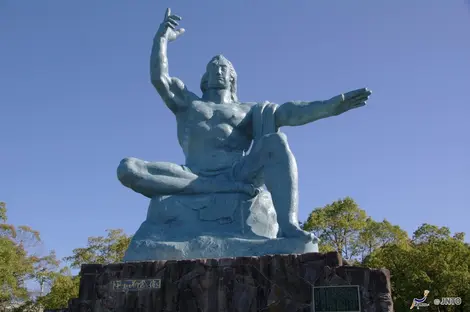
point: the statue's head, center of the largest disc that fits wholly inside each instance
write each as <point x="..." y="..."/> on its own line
<point x="220" y="74"/>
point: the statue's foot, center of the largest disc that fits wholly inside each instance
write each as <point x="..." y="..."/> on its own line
<point x="290" y="230"/>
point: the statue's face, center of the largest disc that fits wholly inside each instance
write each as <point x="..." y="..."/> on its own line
<point x="219" y="74"/>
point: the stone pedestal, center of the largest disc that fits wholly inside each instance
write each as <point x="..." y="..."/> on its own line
<point x="268" y="283"/>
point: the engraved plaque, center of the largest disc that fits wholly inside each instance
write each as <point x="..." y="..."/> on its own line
<point x="136" y="285"/>
<point x="344" y="298"/>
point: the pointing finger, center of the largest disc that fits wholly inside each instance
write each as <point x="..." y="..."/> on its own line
<point x="168" y="12"/>
<point x="357" y="105"/>
<point x="357" y="92"/>
<point x="361" y="90"/>
<point x="360" y="104"/>
<point x="360" y="95"/>
<point x="357" y="100"/>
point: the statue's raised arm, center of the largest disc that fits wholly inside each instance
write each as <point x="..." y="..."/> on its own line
<point x="171" y="89"/>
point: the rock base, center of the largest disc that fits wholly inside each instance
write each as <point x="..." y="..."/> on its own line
<point x="266" y="283"/>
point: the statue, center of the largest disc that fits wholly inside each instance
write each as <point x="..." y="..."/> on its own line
<point x="225" y="201"/>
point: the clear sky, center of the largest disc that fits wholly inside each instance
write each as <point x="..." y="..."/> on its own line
<point x="75" y="98"/>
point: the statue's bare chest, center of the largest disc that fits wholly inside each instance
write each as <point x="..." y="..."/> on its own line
<point x="219" y="126"/>
<point x="215" y="114"/>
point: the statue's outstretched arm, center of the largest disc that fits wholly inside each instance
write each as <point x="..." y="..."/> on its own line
<point x="171" y="89"/>
<point x="300" y="113"/>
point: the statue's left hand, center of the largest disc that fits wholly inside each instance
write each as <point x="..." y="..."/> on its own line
<point x="350" y="100"/>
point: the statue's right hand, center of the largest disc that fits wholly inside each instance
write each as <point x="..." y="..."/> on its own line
<point x="168" y="29"/>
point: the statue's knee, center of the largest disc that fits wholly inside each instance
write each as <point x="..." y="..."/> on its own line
<point x="127" y="169"/>
<point x="275" y="144"/>
<point x="275" y="138"/>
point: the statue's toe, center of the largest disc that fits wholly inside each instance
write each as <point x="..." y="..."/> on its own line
<point x="314" y="239"/>
<point x="250" y="189"/>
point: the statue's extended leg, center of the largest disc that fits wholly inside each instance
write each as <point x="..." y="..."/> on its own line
<point x="272" y="157"/>
<point x="160" y="178"/>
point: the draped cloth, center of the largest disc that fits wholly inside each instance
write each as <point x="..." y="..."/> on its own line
<point x="263" y="120"/>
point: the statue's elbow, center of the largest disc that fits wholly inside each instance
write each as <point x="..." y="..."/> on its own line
<point x="161" y="84"/>
<point x="157" y="81"/>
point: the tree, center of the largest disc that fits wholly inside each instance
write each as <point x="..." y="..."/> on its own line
<point x="338" y="226"/>
<point x="20" y="264"/>
<point x="432" y="260"/>
<point x="3" y="212"/>
<point x="99" y="249"/>
<point x="45" y="271"/>
<point x="16" y="265"/>
<point x="375" y="235"/>
<point x="344" y="227"/>
<point x="64" y="287"/>
<point x="103" y="250"/>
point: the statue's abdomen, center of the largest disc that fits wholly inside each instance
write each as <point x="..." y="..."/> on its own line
<point x="211" y="147"/>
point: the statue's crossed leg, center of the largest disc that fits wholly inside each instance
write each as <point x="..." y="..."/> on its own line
<point x="163" y="178"/>
<point x="270" y="162"/>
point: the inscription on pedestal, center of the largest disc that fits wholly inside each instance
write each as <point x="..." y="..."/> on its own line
<point x="336" y="299"/>
<point x="135" y="285"/>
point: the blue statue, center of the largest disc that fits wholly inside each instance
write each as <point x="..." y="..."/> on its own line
<point x="237" y="193"/>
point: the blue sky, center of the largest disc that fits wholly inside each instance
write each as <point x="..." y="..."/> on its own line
<point x="76" y="98"/>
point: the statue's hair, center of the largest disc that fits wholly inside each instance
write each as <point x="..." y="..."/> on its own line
<point x="233" y="75"/>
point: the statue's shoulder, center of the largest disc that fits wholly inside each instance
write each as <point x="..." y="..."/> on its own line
<point x="258" y="106"/>
<point x="249" y="105"/>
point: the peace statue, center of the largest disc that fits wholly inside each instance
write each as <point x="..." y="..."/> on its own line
<point x="237" y="193"/>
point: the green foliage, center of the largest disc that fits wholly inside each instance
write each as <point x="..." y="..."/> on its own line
<point x="19" y="264"/>
<point x="344" y="227"/>
<point x="16" y="264"/>
<point x="45" y="270"/>
<point x="375" y="235"/>
<point x="100" y="249"/>
<point x="28" y="306"/>
<point x="432" y="260"/>
<point x="14" y="267"/>
<point x="3" y="212"/>
<point x="338" y="226"/>
<point x="64" y="287"/>
<point x="104" y="250"/>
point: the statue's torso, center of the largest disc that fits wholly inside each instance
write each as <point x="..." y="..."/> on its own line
<point x="214" y="136"/>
